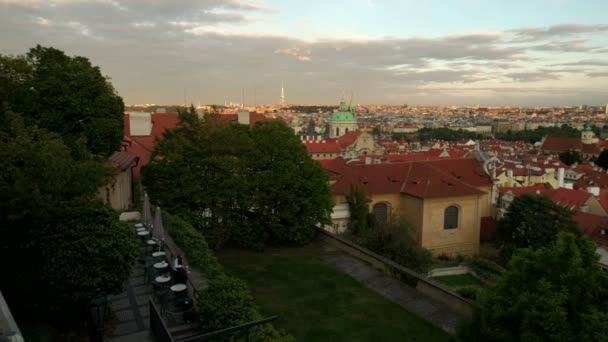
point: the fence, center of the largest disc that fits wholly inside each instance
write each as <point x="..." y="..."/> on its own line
<point x="418" y="281"/>
<point x="157" y="325"/>
<point x="230" y="331"/>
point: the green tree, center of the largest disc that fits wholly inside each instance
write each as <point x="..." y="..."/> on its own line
<point x="250" y="186"/>
<point x="290" y="190"/>
<point x="602" y="160"/>
<point x="63" y="94"/>
<point x="570" y="157"/>
<point x="60" y="244"/>
<point x="358" y="204"/>
<point x="393" y="240"/>
<point x="555" y="293"/>
<point x="532" y="221"/>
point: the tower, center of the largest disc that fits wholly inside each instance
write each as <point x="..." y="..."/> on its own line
<point x="587" y="136"/>
<point x="342" y="121"/>
<point x="282" y="94"/>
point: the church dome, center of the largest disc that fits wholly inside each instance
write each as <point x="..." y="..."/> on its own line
<point x="344" y="113"/>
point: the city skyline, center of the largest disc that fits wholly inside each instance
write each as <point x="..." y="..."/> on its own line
<point x="541" y="53"/>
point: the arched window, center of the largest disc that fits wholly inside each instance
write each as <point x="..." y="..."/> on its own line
<point x="346" y="130"/>
<point x="380" y="211"/>
<point x="337" y="131"/>
<point x="450" y="217"/>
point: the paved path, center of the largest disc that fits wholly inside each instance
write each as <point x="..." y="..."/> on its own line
<point x="131" y="309"/>
<point x="393" y="289"/>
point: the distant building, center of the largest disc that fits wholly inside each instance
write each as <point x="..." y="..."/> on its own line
<point x="342" y="121"/>
<point x="444" y="200"/>
<point x="588" y="145"/>
<point x="119" y="191"/>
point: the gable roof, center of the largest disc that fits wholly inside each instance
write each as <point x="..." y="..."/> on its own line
<point x="429" y="179"/>
<point x="123" y="160"/>
<point x="562" y="144"/>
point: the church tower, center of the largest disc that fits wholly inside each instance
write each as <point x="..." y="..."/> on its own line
<point x="342" y="121"/>
<point x="587" y="136"/>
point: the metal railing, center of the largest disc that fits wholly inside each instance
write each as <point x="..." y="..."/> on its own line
<point x="230" y="331"/>
<point x="157" y="324"/>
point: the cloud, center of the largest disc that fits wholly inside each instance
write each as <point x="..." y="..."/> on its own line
<point x="597" y="74"/>
<point x="562" y="30"/>
<point x="532" y="76"/>
<point x="153" y="49"/>
<point x="586" y="62"/>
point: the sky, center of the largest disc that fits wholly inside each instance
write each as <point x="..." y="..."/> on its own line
<point x="468" y="52"/>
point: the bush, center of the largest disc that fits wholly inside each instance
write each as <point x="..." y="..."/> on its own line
<point x="469" y="291"/>
<point x="393" y="241"/>
<point x="226" y="301"/>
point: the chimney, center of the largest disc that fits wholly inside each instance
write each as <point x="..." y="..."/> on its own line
<point x="243" y="116"/>
<point x="560" y="177"/>
<point x="368" y="160"/>
<point x="509" y="173"/>
<point x="584" y="208"/>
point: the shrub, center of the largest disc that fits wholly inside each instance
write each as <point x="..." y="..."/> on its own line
<point x="486" y="269"/>
<point x="226" y="301"/>
<point x="469" y="291"/>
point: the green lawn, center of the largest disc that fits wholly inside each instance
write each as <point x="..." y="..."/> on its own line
<point x="456" y="281"/>
<point x="315" y="302"/>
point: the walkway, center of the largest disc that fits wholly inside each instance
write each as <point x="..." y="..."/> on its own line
<point x="393" y="289"/>
<point x="131" y="309"/>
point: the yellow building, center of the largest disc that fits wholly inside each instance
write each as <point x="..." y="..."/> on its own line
<point x="444" y="200"/>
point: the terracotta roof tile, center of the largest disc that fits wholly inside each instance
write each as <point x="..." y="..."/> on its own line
<point x="123" y="160"/>
<point x="560" y="144"/>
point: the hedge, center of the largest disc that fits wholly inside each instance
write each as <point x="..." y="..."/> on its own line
<point x="226" y="301"/>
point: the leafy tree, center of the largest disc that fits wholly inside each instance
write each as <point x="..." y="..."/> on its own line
<point x="61" y="244"/>
<point x="249" y="186"/>
<point x="570" y="157"/>
<point x="290" y="191"/>
<point x="358" y="204"/>
<point x="602" y="160"/>
<point x="63" y="94"/>
<point x="555" y="293"/>
<point x="393" y="240"/>
<point x="532" y="221"/>
<point x="446" y="134"/>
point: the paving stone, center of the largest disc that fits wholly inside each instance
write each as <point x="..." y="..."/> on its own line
<point x="125" y="328"/>
<point x="142" y="290"/>
<point x="125" y="315"/>
<point x="120" y="304"/>
<point x="144" y="311"/>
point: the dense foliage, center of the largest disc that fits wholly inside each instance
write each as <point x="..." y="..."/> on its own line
<point x="61" y="244"/>
<point x="534" y="135"/>
<point x="442" y="133"/>
<point x="570" y="157"/>
<point x="392" y="239"/>
<point x="64" y="94"/>
<point x="532" y="221"/>
<point x="226" y="301"/>
<point x="249" y="186"/>
<point x="313" y="109"/>
<point x="555" y="293"/>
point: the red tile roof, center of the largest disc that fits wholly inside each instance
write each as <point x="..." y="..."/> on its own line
<point x="569" y="198"/>
<point x="533" y="189"/>
<point x="123" y="160"/>
<point x="420" y="179"/>
<point x="348" y="138"/>
<point x="561" y="144"/>
<point x="592" y="225"/>
<point x="322" y="147"/>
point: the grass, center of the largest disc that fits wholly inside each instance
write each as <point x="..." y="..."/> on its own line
<point x="316" y="302"/>
<point x="457" y="281"/>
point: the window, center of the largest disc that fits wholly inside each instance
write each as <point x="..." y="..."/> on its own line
<point x="337" y="131"/>
<point x="380" y="211"/>
<point x="450" y="217"/>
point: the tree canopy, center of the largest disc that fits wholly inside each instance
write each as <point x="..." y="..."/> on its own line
<point x="533" y="221"/>
<point x="250" y="186"/>
<point x="63" y="94"/>
<point x="555" y="293"/>
<point x="570" y="157"/>
<point x="60" y="244"/>
<point x="534" y="135"/>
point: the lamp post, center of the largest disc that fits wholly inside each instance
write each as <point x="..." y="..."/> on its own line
<point x="98" y="309"/>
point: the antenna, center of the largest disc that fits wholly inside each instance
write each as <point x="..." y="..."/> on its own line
<point x="350" y="103"/>
<point x="243" y="98"/>
<point x="282" y="93"/>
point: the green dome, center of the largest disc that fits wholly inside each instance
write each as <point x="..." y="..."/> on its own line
<point x="344" y="113"/>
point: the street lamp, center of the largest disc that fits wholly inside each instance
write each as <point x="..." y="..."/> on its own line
<point x="98" y="309"/>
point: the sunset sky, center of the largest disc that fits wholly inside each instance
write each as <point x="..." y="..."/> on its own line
<point x="394" y="52"/>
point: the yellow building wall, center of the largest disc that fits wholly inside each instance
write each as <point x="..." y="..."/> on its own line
<point x="595" y="207"/>
<point x="427" y="218"/>
<point x="461" y="240"/>
<point x="118" y="193"/>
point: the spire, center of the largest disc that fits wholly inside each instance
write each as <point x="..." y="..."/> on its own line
<point x="282" y="94"/>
